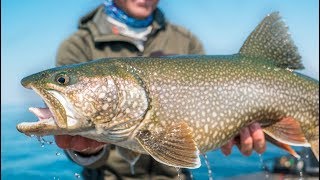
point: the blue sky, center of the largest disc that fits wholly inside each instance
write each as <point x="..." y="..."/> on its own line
<point x="32" y="30"/>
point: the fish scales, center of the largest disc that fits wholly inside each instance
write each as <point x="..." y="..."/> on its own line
<point x="177" y="107"/>
<point x="202" y="92"/>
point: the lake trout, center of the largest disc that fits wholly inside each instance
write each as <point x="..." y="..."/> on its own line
<point x="177" y="107"/>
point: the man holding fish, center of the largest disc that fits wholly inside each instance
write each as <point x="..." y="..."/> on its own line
<point x="127" y="28"/>
<point x="147" y="23"/>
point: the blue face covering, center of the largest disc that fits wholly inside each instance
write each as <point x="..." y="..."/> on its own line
<point x="113" y="11"/>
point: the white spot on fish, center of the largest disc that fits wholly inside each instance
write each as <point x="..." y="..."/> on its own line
<point x="102" y="95"/>
<point x="215" y="134"/>
<point x="196" y="138"/>
<point x="134" y="105"/>
<point x="197" y="124"/>
<point x="80" y="97"/>
<point x="207" y="141"/>
<point x="206" y="129"/>
<point x="214" y="114"/>
<point x="110" y="82"/>
<point x="105" y="106"/>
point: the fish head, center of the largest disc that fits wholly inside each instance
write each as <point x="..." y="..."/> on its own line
<point x="84" y="99"/>
<point x="75" y="97"/>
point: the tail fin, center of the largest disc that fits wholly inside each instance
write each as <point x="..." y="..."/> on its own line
<point x="270" y="40"/>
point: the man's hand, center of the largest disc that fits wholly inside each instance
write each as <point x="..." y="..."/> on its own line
<point x="79" y="144"/>
<point x="250" y="138"/>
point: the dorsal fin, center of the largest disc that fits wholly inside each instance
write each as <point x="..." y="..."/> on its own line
<point x="271" y="40"/>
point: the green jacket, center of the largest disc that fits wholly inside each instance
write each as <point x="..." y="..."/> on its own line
<point x="95" y="39"/>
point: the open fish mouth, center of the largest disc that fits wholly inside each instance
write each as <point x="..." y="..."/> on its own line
<point x="56" y="118"/>
<point x="45" y="126"/>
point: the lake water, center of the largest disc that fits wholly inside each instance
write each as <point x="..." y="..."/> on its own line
<point x="23" y="157"/>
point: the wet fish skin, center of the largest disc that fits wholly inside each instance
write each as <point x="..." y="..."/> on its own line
<point x="175" y="108"/>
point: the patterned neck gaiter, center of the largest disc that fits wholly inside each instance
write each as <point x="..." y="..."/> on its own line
<point x="113" y="11"/>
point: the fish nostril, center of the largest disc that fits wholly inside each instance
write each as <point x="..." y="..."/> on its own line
<point x="44" y="75"/>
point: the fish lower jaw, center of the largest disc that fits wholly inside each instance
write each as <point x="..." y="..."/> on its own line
<point x="49" y="121"/>
<point x="43" y="127"/>
<point x="48" y="127"/>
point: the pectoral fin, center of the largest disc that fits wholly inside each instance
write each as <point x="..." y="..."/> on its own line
<point x="284" y="133"/>
<point x="173" y="146"/>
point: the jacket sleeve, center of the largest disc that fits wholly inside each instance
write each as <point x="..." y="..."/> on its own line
<point x="72" y="51"/>
<point x="195" y="46"/>
<point x="90" y="161"/>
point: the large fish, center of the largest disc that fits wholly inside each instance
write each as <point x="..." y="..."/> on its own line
<point x="175" y="108"/>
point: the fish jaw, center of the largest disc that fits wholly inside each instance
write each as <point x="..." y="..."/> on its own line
<point x="56" y="103"/>
<point x="39" y="128"/>
<point x="58" y="118"/>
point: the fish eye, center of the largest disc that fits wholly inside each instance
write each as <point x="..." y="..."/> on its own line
<point x="62" y="79"/>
